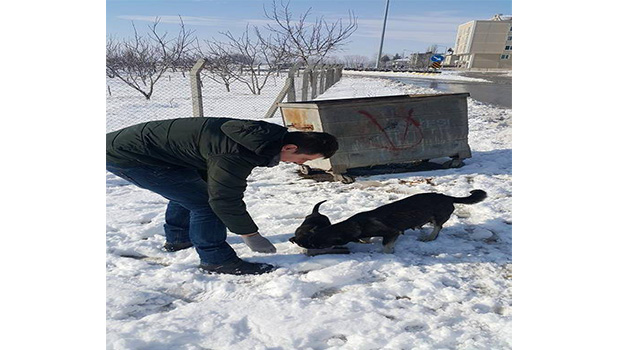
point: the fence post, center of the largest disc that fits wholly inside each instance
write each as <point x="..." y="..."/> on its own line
<point x="291" y="80"/>
<point x="329" y="77"/>
<point x="338" y="70"/>
<point x="288" y="90"/>
<point x="322" y="80"/>
<point x="314" y="78"/>
<point x="305" y="80"/>
<point x="195" y="87"/>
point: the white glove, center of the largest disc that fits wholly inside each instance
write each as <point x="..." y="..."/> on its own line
<point x="259" y="243"/>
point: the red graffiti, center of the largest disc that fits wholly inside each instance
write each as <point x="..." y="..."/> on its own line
<point x="409" y="122"/>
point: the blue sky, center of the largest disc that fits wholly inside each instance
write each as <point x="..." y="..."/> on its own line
<point x="412" y="25"/>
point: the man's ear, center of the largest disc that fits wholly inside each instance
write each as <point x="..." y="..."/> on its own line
<point x="290" y="147"/>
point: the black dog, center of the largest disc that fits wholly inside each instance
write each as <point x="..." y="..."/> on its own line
<point x="312" y="222"/>
<point x="388" y="221"/>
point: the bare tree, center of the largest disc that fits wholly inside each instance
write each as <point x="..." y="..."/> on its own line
<point x="309" y="42"/>
<point x="251" y="53"/>
<point x="334" y="60"/>
<point x="222" y="70"/>
<point x="141" y="61"/>
<point x="355" y="61"/>
<point x="277" y="49"/>
<point x="221" y="66"/>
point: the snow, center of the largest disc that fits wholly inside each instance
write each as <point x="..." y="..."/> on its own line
<point x="443" y="75"/>
<point x="452" y="293"/>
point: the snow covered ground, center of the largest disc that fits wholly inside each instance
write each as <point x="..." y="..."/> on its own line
<point x="444" y="75"/>
<point x="452" y="293"/>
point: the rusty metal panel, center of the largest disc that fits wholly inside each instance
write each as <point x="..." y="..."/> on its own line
<point x="301" y="119"/>
<point x="385" y="130"/>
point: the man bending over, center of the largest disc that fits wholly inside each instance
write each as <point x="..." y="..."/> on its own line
<point x="201" y="166"/>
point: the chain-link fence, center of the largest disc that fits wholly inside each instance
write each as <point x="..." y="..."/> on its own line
<point x="172" y="98"/>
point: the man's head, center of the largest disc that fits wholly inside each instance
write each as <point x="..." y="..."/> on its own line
<point x="299" y="147"/>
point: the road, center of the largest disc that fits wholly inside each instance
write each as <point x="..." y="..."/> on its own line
<point x="498" y="91"/>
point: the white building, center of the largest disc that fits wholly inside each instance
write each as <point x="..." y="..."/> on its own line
<point x="484" y="44"/>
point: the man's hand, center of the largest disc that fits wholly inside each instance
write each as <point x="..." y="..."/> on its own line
<point x="258" y="243"/>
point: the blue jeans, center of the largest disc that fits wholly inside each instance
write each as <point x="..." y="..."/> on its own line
<point x="188" y="217"/>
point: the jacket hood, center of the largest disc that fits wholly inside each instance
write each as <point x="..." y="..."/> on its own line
<point x="262" y="138"/>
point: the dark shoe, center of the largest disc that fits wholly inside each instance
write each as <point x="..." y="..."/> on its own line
<point x="173" y="247"/>
<point x="238" y="267"/>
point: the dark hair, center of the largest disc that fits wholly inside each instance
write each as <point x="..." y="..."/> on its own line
<point x="312" y="142"/>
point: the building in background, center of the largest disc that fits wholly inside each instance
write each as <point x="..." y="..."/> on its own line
<point x="483" y="44"/>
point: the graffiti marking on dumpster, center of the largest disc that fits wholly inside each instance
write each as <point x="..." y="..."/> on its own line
<point x="398" y="143"/>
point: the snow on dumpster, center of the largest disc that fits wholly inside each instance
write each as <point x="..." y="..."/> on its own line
<point x="385" y="130"/>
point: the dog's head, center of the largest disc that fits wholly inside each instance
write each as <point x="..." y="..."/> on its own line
<point x="316" y="232"/>
<point x="312" y="223"/>
<point x="338" y="234"/>
<point x="319" y="239"/>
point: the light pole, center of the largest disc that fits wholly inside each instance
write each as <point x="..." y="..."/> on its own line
<point x="380" y="49"/>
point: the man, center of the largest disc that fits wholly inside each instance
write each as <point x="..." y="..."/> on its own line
<point x="201" y="166"/>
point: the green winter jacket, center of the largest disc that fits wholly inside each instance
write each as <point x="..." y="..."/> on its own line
<point x="223" y="150"/>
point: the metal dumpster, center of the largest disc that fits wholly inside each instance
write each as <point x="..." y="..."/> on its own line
<point x="385" y="130"/>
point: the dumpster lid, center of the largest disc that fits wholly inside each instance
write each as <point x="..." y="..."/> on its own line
<point x="353" y="100"/>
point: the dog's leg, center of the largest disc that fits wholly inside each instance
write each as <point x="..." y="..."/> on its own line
<point x="379" y="229"/>
<point x="434" y="234"/>
<point x="389" y="242"/>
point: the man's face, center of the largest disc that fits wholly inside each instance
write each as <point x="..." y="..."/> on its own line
<point x="288" y="154"/>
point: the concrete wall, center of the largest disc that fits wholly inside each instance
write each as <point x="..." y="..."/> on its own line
<point x="490" y="60"/>
<point x="462" y="42"/>
<point x="490" y="36"/>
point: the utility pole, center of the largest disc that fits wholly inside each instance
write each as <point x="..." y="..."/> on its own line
<point x="380" y="49"/>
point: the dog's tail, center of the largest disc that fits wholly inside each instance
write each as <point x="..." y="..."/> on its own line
<point x="476" y="196"/>
<point x="316" y="207"/>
